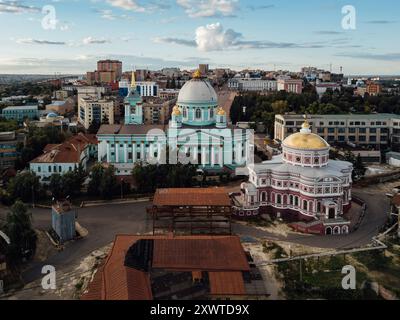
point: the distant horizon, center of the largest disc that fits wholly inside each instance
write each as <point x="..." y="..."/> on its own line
<point x="44" y="37"/>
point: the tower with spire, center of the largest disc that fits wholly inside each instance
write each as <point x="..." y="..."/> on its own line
<point x="133" y="104"/>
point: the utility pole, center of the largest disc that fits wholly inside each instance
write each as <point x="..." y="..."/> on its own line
<point x="301" y="270"/>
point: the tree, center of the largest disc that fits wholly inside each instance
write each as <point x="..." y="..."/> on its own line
<point x="94" y="127"/>
<point x="24" y="186"/>
<point x="102" y="182"/>
<point x="108" y="183"/>
<point x="56" y="186"/>
<point x="359" y="168"/>
<point x="21" y="233"/>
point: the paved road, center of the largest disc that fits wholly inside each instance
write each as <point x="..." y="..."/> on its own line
<point x="103" y="223"/>
<point x="375" y="218"/>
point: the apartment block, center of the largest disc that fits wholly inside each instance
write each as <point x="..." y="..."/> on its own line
<point x="95" y="110"/>
<point x="359" y="129"/>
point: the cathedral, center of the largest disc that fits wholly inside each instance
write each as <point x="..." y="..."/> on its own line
<point x="198" y="133"/>
<point x="301" y="185"/>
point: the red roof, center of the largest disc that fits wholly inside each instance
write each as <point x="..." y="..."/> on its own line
<point x="192" y="197"/>
<point x="68" y="152"/>
<point x="226" y="283"/>
<point x="222" y="256"/>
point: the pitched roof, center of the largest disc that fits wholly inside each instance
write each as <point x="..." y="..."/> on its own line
<point x="222" y="256"/>
<point x="192" y="197"/>
<point x="211" y="254"/>
<point x="226" y="283"/>
<point x="67" y="152"/>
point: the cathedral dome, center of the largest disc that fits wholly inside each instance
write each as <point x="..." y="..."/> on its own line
<point x="305" y="140"/>
<point x="197" y="91"/>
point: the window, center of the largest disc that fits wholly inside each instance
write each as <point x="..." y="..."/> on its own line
<point x="185" y="112"/>
<point x="198" y="113"/>
<point x="212" y="113"/>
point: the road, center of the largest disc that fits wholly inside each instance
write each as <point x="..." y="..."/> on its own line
<point x="103" y="223"/>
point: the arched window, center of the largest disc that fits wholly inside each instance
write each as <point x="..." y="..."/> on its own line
<point x="212" y="113"/>
<point x="263" y="197"/>
<point x="198" y="113"/>
<point x="291" y="199"/>
<point x="305" y="205"/>
<point x="278" y="199"/>
<point x="185" y="112"/>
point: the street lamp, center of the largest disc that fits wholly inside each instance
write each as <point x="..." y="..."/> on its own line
<point x="122" y="188"/>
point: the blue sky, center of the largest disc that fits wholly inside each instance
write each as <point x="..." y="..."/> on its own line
<point x="152" y="34"/>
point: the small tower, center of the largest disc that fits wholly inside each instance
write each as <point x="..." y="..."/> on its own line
<point x="133" y="104"/>
<point x="221" y="119"/>
<point x="176" y="118"/>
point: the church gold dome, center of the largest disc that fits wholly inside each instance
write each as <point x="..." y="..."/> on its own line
<point x="305" y="140"/>
<point x="221" y="112"/>
<point x="176" y="111"/>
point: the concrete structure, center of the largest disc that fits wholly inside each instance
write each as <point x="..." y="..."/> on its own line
<point x="8" y="148"/>
<point x="301" y="184"/>
<point x="95" y="110"/>
<point x="198" y="131"/>
<point x="358" y="129"/>
<point x="63" y="221"/>
<point x="65" y="157"/>
<point x="290" y="85"/>
<point x="20" y="113"/>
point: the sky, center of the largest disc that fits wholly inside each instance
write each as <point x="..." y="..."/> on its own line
<point x="69" y="36"/>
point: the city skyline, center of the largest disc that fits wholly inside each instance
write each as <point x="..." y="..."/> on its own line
<point x="183" y="33"/>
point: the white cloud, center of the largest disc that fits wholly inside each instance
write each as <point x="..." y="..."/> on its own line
<point x="91" y="40"/>
<point x="130" y="5"/>
<point x="208" y="8"/>
<point x="213" y="37"/>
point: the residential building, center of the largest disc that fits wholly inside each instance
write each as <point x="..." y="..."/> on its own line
<point x="171" y="72"/>
<point x="95" y="110"/>
<point x="108" y="71"/>
<point x="290" y="85"/>
<point x="62" y="95"/>
<point x="302" y="185"/>
<point x="62" y="107"/>
<point x="91" y="92"/>
<point x="157" y="110"/>
<point x="373" y="88"/>
<point x="358" y="129"/>
<point x="65" y="157"/>
<point x="169" y="94"/>
<point x="252" y="84"/>
<point x="8" y="148"/>
<point x="177" y="268"/>
<point x="204" y="69"/>
<point x="20" y="113"/>
<point x="321" y="88"/>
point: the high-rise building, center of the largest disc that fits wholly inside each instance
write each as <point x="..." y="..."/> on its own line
<point x="108" y="71"/>
<point x="204" y="68"/>
<point x="95" y="110"/>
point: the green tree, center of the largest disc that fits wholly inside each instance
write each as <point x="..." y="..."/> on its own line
<point x="108" y="183"/>
<point x="96" y="175"/>
<point x="21" y="233"/>
<point x="56" y="186"/>
<point x="24" y="186"/>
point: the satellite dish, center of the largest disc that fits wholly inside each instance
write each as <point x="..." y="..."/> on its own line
<point x="4" y="236"/>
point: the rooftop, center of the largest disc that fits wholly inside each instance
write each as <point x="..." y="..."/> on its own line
<point x="67" y="152"/>
<point x="220" y="260"/>
<point x="22" y="107"/>
<point x="192" y="197"/>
